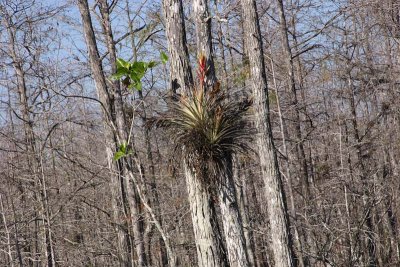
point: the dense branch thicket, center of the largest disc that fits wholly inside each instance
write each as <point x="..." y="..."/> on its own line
<point x="327" y="79"/>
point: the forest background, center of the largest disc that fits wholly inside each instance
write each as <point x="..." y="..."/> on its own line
<point x="86" y="182"/>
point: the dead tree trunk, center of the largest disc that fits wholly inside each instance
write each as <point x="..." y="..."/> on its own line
<point x="210" y="251"/>
<point x="180" y="71"/>
<point x="122" y="131"/>
<point x="202" y="20"/>
<point x="106" y="99"/>
<point x="232" y="221"/>
<point x="277" y="209"/>
<point x="292" y="89"/>
<point x="153" y="185"/>
<point x="47" y="253"/>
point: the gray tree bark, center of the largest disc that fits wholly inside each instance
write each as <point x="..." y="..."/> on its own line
<point x="122" y="131"/>
<point x="291" y="83"/>
<point x="210" y="251"/>
<point x="180" y="71"/>
<point x="232" y="221"/>
<point x="106" y="99"/>
<point x="280" y="234"/>
<point x="202" y="20"/>
<point x="242" y="178"/>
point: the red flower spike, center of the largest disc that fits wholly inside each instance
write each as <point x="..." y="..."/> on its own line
<point x="201" y="72"/>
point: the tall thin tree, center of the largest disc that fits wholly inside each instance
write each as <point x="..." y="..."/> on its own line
<point x="210" y="251"/>
<point x="277" y="209"/>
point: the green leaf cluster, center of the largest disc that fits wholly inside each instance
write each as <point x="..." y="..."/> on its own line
<point x="123" y="151"/>
<point x="131" y="73"/>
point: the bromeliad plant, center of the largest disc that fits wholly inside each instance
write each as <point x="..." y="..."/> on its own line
<point x="207" y="127"/>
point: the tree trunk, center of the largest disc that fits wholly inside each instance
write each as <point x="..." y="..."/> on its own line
<point x="301" y="157"/>
<point x="233" y="226"/>
<point x="367" y="199"/>
<point x="106" y="99"/>
<point x="180" y="71"/>
<point x="153" y="185"/>
<point x="209" y="246"/>
<point x="294" y="101"/>
<point x="122" y="131"/>
<point x="288" y="165"/>
<point x="203" y="37"/>
<point x="280" y="234"/>
<point x="220" y="37"/>
<point x="242" y="178"/>
<point x="34" y="156"/>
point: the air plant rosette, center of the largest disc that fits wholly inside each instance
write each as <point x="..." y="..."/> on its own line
<point x="208" y="128"/>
